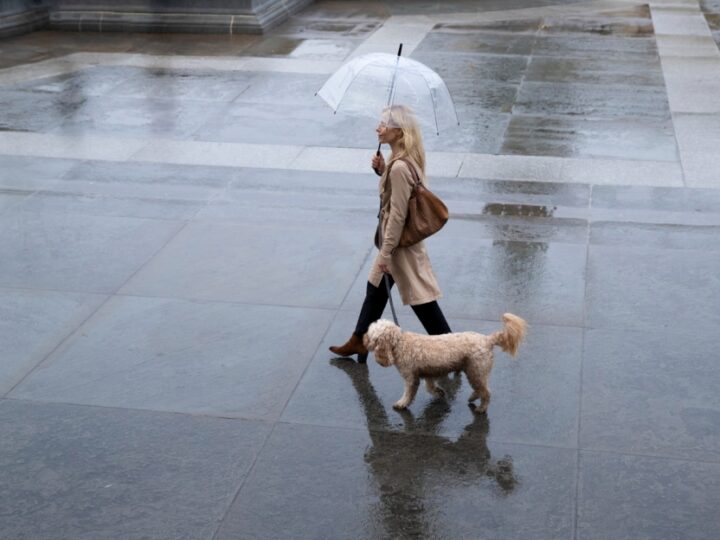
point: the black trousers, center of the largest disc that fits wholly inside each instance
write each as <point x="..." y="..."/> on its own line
<point x="376" y="298"/>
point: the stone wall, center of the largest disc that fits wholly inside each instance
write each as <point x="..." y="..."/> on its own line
<point x="211" y="16"/>
<point x="20" y="16"/>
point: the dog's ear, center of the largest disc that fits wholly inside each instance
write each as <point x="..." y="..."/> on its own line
<point x="370" y="337"/>
<point x="384" y="356"/>
<point x="385" y="343"/>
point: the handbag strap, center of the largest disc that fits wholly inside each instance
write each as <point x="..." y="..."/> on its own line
<point x="413" y="172"/>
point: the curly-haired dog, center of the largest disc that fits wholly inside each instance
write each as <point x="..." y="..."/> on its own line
<point x="418" y="355"/>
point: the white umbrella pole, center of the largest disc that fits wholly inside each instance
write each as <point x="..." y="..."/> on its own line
<point x="390" y="96"/>
<point x="386" y="278"/>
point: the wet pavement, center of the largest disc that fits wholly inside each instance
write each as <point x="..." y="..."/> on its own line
<point x="711" y="10"/>
<point x="182" y="236"/>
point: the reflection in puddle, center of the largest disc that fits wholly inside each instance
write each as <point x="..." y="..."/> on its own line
<point x="520" y="263"/>
<point x="522" y="210"/>
<point x="405" y="465"/>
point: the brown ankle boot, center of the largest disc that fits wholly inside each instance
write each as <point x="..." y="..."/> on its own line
<point x="353" y="346"/>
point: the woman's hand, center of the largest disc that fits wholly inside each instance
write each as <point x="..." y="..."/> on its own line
<point x="384" y="268"/>
<point x="378" y="163"/>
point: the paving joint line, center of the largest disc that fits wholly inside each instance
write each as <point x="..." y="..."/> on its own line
<point x="78" y="328"/>
<point x="192" y="414"/>
<point x="338" y="310"/>
<point x="247" y="475"/>
<point x="578" y="426"/>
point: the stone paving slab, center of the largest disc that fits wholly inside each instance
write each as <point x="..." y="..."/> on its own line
<point x="459" y="70"/>
<point x="183" y="85"/>
<point x="215" y="153"/>
<point x="674" y="22"/>
<point x="91" y="81"/>
<point x="601" y="100"/>
<point x="112" y="206"/>
<point x="634" y="72"/>
<point x="643" y="394"/>
<point x="162" y="182"/>
<point x="580" y="136"/>
<point x="319" y="481"/>
<point x="79" y="147"/>
<point x="297" y="125"/>
<point x="221" y="359"/>
<point x="647" y="497"/>
<point x="33" y="323"/>
<point x="221" y="261"/>
<point x="582" y="170"/>
<point x="696" y="135"/>
<point x="27" y="173"/>
<point x="648" y="288"/>
<point x="693" y="201"/>
<point x="687" y="46"/>
<point x="283" y="89"/>
<point x="11" y="198"/>
<point x="29" y="112"/>
<point x="306" y="48"/>
<point x="116" y="473"/>
<point x="105" y="251"/>
<point x="126" y="117"/>
<point x="693" y="236"/>
<point x="638" y="48"/>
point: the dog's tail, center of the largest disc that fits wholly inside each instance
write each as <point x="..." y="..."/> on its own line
<point x="509" y="338"/>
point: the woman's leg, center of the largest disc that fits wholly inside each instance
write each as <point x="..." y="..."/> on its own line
<point x="432" y="318"/>
<point x="376" y="299"/>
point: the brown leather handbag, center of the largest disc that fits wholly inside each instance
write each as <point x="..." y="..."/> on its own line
<point x="426" y="215"/>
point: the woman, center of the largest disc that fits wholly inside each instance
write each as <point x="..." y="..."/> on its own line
<point x="409" y="267"/>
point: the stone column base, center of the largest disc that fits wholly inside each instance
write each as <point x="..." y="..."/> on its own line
<point x="174" y="16"/>
<point x="21" y="22"/>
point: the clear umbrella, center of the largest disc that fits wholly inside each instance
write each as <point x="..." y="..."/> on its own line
<point x="366" y="85"/>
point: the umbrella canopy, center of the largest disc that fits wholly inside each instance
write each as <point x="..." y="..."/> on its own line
<point x="366" y="85"/>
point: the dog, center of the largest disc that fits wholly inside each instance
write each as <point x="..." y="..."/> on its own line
<point x="419" y="356"/>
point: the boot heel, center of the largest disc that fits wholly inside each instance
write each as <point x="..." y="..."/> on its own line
<point x="362" y="358"/>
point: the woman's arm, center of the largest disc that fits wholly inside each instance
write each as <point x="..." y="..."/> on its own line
<point x="401" y="183"/>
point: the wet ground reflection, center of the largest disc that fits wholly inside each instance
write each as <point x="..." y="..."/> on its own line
<point x="522" y="262"/>
<point x="406" y="467"/>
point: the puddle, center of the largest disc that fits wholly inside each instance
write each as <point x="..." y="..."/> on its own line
<point x="324" y="49"/>
<point x="529" y="25"/>
<point x="518" y="210"/>
<point x="632" y="28"/>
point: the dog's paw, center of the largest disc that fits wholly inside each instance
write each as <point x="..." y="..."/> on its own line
<point x="400" y="406"/>
<point x="475" y="409"/>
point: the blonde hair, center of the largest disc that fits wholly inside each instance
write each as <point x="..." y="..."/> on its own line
<point x="411" y="142"/>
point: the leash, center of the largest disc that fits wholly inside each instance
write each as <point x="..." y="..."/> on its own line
<point x="392" y="306"/>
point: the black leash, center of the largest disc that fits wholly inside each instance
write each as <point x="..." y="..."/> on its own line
<point x="392" y="306"/>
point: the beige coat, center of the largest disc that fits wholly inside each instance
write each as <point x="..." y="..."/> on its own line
<point x="409" y="266"/>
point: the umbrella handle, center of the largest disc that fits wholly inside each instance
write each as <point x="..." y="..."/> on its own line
<point x="377" y="171"/>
